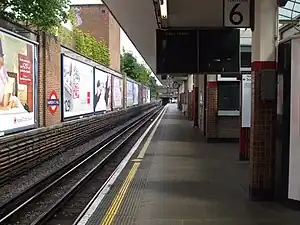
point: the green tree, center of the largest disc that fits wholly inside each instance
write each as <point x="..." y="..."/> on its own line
<point x="36" y="14"/>
<point x="153" y="87"/>
<point x="133" y="69"/>
<point x="137" y="71"/>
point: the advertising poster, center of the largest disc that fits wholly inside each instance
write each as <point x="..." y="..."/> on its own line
<point x="148" y="96"/>
<point x="135" y="94"/>
<point x="246" y="100"/>
<point x="17" y="74"/>
<point x="129" y="93"/>
<point x="102" y="95"/>
<point x="144" y="94"/>
<point x="78" y="89"/>
<point x="117" y="92"/>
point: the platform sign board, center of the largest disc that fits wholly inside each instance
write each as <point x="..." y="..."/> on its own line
<point x="237" y="13"/>
<point x="246" y="100"/>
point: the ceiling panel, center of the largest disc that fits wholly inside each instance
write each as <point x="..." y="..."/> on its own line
<point x="137" y="19"/>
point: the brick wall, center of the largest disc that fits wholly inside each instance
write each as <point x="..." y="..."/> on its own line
<point x="114" y="43"/>
<point x="228" y="126"/>
<point x="97" y="20"/>
<point x="27" y="149"/>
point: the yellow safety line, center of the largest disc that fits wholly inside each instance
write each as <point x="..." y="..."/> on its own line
<point x="147" y="143"/>
<point x="114" y="207"/>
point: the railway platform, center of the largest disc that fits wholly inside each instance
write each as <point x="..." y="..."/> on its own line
<point x="174" y="177"/>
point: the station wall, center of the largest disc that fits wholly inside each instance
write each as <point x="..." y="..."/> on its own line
<point x="44" y="83"/>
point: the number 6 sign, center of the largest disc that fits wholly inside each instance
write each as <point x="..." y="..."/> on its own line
<point x="237" y="13"/>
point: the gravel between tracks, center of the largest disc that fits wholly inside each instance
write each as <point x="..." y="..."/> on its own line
<point x="28" y="179"/>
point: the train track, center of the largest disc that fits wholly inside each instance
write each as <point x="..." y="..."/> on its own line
<point x="60" y="198"/>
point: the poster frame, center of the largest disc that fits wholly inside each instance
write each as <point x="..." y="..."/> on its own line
<point x="131" y="82"/>
<point x="35" y="76"/>
<point x="122" y="94"/>
<point x="69" y="118"/>
<point x="111" y="91"/>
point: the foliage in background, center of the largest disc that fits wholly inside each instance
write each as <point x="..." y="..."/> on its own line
<point x="83" y="43"/>
<point x="48" y="16"/>
<point x="137" y="71"/>
<point x="36" y="14"/>
<point x="87" y="45"/>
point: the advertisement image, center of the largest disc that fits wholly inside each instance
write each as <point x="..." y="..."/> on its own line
<point x="135" y="94"/>
<point x="129" y="93"/>
<point x="17" y="73"/>
<point x="148" y="98"/>
<point x="117" y="92"/>
<point x="102" y="95"/>
<point x="78" y="82"/>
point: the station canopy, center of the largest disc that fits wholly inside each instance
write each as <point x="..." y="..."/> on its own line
<point x="140" y="19"/>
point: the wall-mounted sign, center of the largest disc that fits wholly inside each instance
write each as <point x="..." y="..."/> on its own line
<point x="175" y="84"/>
<point x="237" y="13"/>
<point x="53" y="102"/>
<point x="246" y="100"/>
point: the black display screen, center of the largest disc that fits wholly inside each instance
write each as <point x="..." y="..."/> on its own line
<point x="198" y="51"/>
<point x="219" y="50"/>
<point x="176" y="51"/>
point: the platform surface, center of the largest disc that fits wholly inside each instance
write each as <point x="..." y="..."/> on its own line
<point x="184" y="181"/>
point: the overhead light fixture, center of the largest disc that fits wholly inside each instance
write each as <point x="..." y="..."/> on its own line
<point x="164" y="9"/>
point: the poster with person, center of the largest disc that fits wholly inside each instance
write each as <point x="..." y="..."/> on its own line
<point x="102" y="95"/>
<point x="17" y="79"/>
<point x="78" y="80"/>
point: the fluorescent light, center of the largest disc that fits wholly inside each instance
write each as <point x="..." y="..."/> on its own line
<point x="164" y="9"/>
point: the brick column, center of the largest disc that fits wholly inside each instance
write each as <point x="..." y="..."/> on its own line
<point x="211" y="106"/>
<point x="49" y="78"/>
<point x="263" y="121"/>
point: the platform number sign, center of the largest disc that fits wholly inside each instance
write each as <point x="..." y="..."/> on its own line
<point x="237" y="13"/>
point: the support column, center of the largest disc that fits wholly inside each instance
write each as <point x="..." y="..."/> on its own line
<point x="211" y="107"/>
<point x="196" y="99"/>
<point x="263" y="121"/>
<point x="186" y="95"/>
<point x="190" y="96"/>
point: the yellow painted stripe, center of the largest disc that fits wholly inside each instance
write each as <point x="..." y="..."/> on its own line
<point x="110" y="214"/>
<point x="114" y="207"/>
